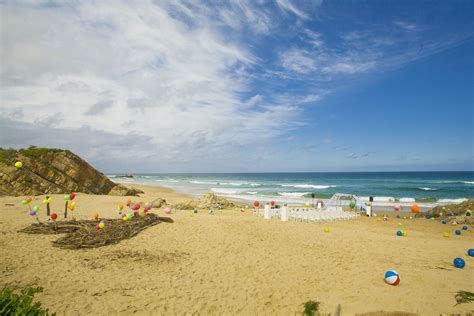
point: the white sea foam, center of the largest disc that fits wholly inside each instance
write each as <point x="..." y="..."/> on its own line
<point x="407" y="200"/>
<point x="293" y="193"/>
<point x="308" y="186"/>
<point x="428" y="189"/>
<point x="203" y="182"/>
<point x="251" y="192"/>
<point x="378" y="198"/>
<point x="468" y="182"/>
<point x="452" y="200"/>
<point x="224" y="191"/>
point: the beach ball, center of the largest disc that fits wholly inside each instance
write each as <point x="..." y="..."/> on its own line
<point x="54" y="216"/>
<point x="392" y="277"/>
<point x="18" y="164"/>
<point x="459" y="263"/>
<point x="397" y="207"/>
<point x="415" y="208"/>
<point x="443" y="222"/>
<point x="457" y="232"/>
<point x="464" y="227"/>
<point x="470" y="252"/>
<point x="399" y="233"/>
<point x="256" y="203"/>
<point x="327" y="229"/>
<point x="167" y="210"/>
<point x="446" y="234"/>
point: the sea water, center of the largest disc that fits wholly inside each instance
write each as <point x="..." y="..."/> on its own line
<point x="387" y="188"/>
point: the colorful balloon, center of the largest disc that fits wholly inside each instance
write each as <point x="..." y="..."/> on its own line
<point x="135" y="207"/>
<point x="47" y="201"/>
<point x="464" y="227"/>
<point x="24" y="202"/>
<point x="470" y="252"/>
<point x="36" y="208"/>
<point x="32" y="213"/>
<point x="101" y="225"/>
<point x="167" y="210"/>
<point x="72" y="196"/>
<point x="327" y="229"/>
<point x="272" y="203"/>
<point x="18" y="164"/>
<point x="397" y="207"/>
<point x="67" y="197"/>
<point x="399" y="233"/>
<point x="54" y="216"/>
<point x="392" y="277"/>
<point x="443" y="222"/>
<point x="457" y="232"/>
<point x="446" y="235"/>
<point x="256" y="203"/>
<point x="415" y="208"/>
<point x="129" y="201"/>
<point x="352" y="204"/>
<point x="459" y="263"/>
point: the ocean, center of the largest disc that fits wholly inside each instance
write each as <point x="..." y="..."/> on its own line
<point x="425" y="188"/>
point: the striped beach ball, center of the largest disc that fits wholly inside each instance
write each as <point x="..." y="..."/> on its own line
<point x="392" y="277"/>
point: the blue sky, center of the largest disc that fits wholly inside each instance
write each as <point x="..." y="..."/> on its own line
<point x="242" y="86"/>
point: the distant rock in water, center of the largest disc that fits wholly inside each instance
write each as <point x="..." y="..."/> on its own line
<point x="53" y="171"/>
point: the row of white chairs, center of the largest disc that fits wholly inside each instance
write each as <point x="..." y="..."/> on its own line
<point x="312" y="215"/>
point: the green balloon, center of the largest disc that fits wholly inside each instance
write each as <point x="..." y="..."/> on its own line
<point x="24" y="202"/>
<point x="36" y="208"/>
<point x="67" y="197"/>
<point x="352" y="204"/>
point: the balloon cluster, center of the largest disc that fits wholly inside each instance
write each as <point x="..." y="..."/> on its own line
<point x="100" y="226"/>
<point x="47" y="201"/>
<point x="69" y="197"/>
<point x="34" y="211"/>
<point x="27" y="200"/>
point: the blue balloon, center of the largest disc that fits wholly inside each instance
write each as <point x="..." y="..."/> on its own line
<point x="464" y="227"/>
<point x="427" y="216"/>
<point x="443" y="222"/>
<point x="459" y="263"/>
<point x="470" y="252"/>
<point x="458" y="232"/>
<point x="399" y="233"/>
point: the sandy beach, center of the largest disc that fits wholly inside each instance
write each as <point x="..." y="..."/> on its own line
<point x="236" y="263"/>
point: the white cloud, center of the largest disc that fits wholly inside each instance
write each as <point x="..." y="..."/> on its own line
<point x="298" y="60"/>
<point x="349" y="68"/>
<point x="287" y="5"/>
<point x="405" y="25"/>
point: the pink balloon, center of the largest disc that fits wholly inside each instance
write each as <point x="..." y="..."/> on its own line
<point x="397" y="207"/>
<point x="167" y="210"/>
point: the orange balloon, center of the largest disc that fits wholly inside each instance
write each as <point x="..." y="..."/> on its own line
<point x="415" y="208"/>
<point x="96" y="216"/>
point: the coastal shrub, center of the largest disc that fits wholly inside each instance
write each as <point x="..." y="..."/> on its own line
<point x="12" y="303"/>
<point x="310" y="308"/>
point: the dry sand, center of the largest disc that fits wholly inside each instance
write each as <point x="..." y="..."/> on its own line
<point x="237" y="263"/>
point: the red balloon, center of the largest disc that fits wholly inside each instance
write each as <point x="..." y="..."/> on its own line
<point x="272" y="203"/>
<point x="54" y="216"/>
<point x="72" y="196"/>
<point x="256" y="203"/>
<point x="135" y="207"/>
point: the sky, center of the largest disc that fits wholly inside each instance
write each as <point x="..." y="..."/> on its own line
<point x="241" y="86"/>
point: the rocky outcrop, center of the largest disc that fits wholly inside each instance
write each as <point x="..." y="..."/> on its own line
<point x="461" y="209"/>
<point x="53" y="171"/>
<point x="207" y="201"/>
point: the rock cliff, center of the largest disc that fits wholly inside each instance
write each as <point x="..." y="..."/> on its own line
<point x="53" y="171"/>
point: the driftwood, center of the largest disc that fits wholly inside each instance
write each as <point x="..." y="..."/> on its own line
<point x="84" y="234"/>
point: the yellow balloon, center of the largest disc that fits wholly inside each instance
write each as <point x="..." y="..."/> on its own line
<point x="18" y="164"/>
<point x="101" y="225"/>
<point x="446" y="234"/>
<point x="327" y="229"/>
